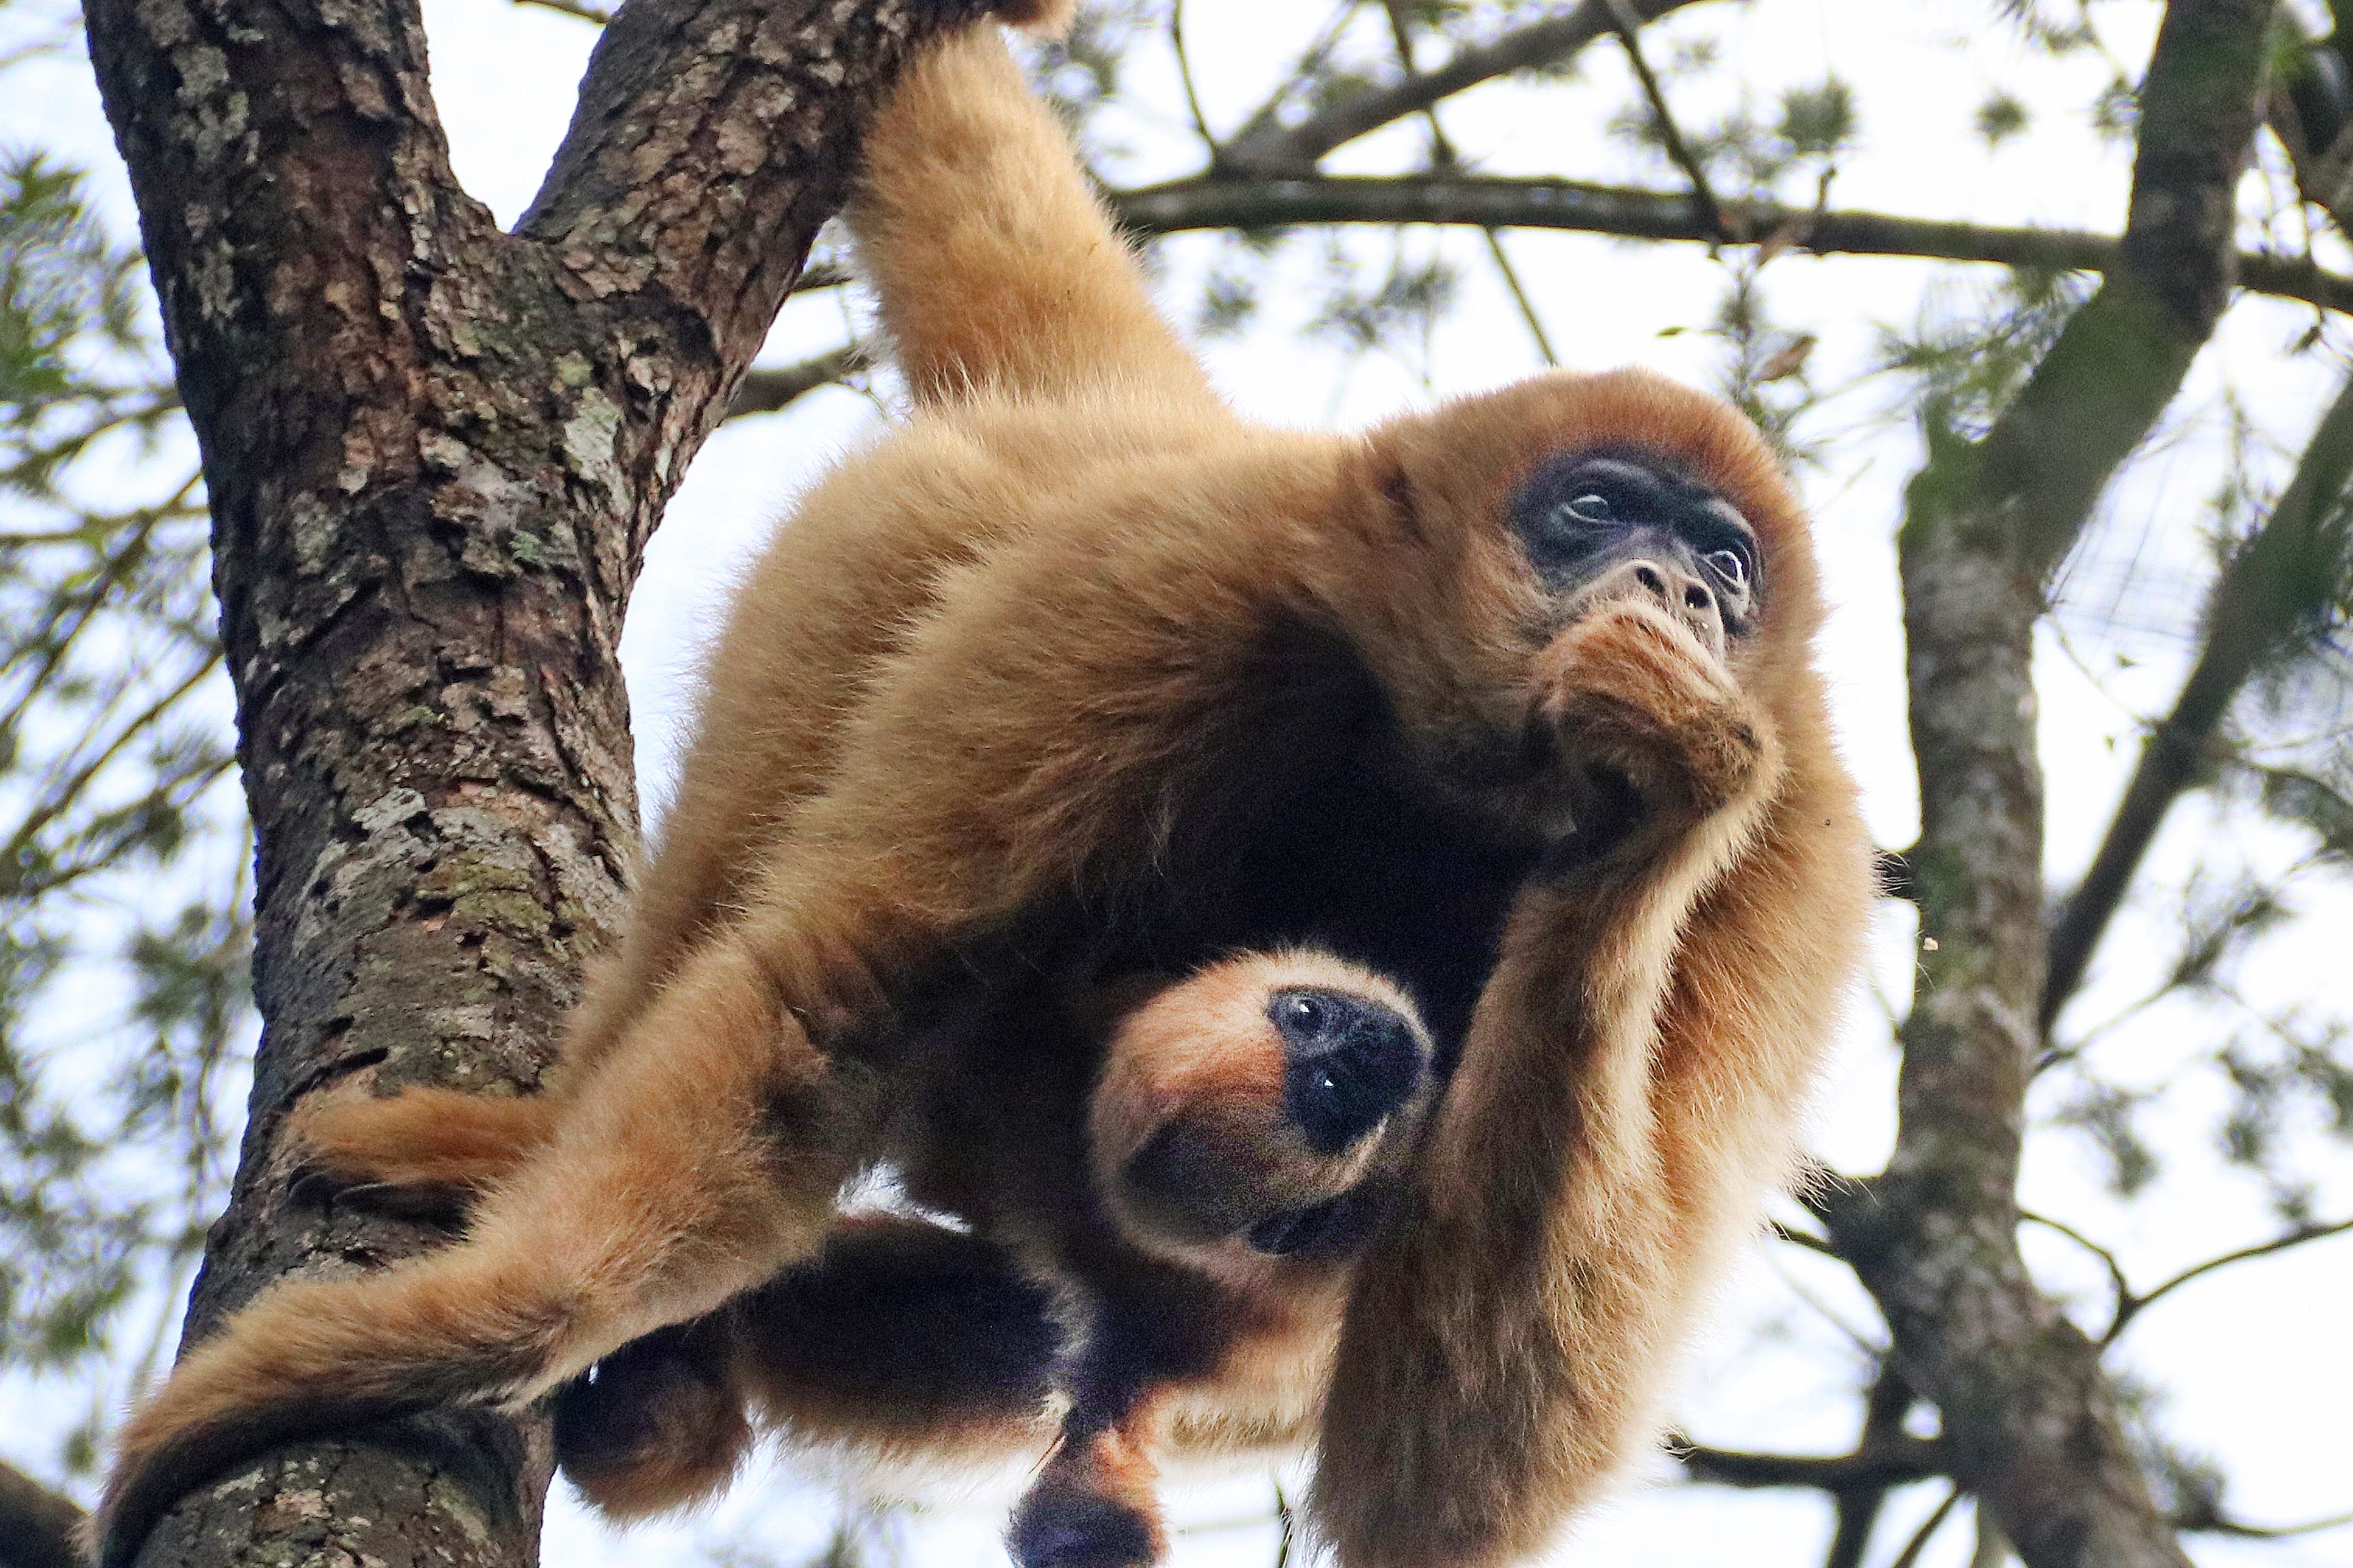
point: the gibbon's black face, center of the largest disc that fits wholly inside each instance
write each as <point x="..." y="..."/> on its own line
<point x="1602" y="525"/>
<point x="1349" y="1063"/>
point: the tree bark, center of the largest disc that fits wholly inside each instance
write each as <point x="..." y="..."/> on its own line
<point x="434" y="453"/>
<point x="2030" y="1422"/>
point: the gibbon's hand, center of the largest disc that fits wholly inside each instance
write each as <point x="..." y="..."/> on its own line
<point x="1632" y="693"/>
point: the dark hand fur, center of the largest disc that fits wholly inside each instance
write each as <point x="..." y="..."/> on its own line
<point x="1077" y="667"/>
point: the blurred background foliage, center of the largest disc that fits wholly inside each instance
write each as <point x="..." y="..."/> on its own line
<point x="123" y="1014"/>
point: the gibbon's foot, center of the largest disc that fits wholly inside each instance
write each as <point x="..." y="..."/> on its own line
<point x="1092" y="1507"/>
<point x="656" y="1426"/>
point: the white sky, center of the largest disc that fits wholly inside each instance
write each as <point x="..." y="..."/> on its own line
<point x="2254" y="1359"/>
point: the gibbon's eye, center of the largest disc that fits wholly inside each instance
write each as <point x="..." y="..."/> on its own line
<point x="1304" y="1012"/>
<point x="1728" y="564"/>
<point x="1591" y="507"/>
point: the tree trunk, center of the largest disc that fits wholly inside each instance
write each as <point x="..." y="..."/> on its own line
<point x="434" y="453"/>
<point x="2030" y="1421"/>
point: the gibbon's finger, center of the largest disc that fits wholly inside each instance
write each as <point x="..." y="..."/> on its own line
<point x="702" y="1159"/>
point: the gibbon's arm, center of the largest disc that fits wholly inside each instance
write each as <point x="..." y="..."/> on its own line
<point x="999" y="269"/>
<point x="1627" y="1091"/>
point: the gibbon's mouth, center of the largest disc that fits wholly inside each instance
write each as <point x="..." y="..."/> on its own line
<point x="1325" y="1229"/>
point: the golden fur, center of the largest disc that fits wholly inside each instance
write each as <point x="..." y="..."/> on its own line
<point x="1026" y="690"/>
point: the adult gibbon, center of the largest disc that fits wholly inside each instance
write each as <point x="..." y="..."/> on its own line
<point x="1508" y="705"/>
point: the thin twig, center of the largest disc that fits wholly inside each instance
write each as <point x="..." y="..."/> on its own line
<point x="1266" y="145"/>
<point x="1919" y="1542"/>
<point x="1804" y="1238"/>
<point x="1442" y="157"/>
<point x="1185" y="76"/>
<point x="2217" y="1524"/>
<point x="2298" y="1236"/>
<point x="2123" y="1289"/>
<point x="1711" y="213"/>
<point x="579" y="8"/>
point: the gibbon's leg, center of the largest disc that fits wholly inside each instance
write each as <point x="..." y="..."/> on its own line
<point x="900" y="1336"/>
<point x="431" y="1152"/>
<point x="1629" y="1081"/>
<point x="679" y="1175"/>
<point x="995" y="264"/>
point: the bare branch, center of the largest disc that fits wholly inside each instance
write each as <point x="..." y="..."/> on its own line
<point x="765" y="391"/>
<point x="2214" y="1523"/>
<point x="675" y="90"/>
<point x="1265" y="146"/>
<point x="2120" y="1291"/>
<point x="37" y="1525"/>
<point x="2134" y="1305"/>
<point x="1220" y="200"/>
<point x="1890" y="1400"/>
<point x="1806" y="1239"/>
<point x="2030" y="1418"/>
<point x="1927" y="1532"/>
<point x="2286" y="575"/>
<point x="1894" y="1461"/>
<point x="1706" y="208"/>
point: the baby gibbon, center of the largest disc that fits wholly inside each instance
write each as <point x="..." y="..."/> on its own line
<point x="1509" y="704"/>
<point x="1158" y="1227"/>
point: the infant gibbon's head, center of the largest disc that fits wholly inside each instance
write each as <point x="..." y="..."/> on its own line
<point x="1260" y="1111"/>
<point x="1512" y="513"/>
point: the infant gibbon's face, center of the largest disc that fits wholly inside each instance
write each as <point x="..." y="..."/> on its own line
<point x="1260" y="1111"/>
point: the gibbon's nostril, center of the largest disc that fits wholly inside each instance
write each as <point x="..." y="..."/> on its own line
<point x="1352" y="1061"/>
<point x="1698" y="598"/>
<point x="1651" y="577"/>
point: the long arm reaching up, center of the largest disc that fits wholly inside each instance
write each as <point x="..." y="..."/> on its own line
<point x="997" y="266"/>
